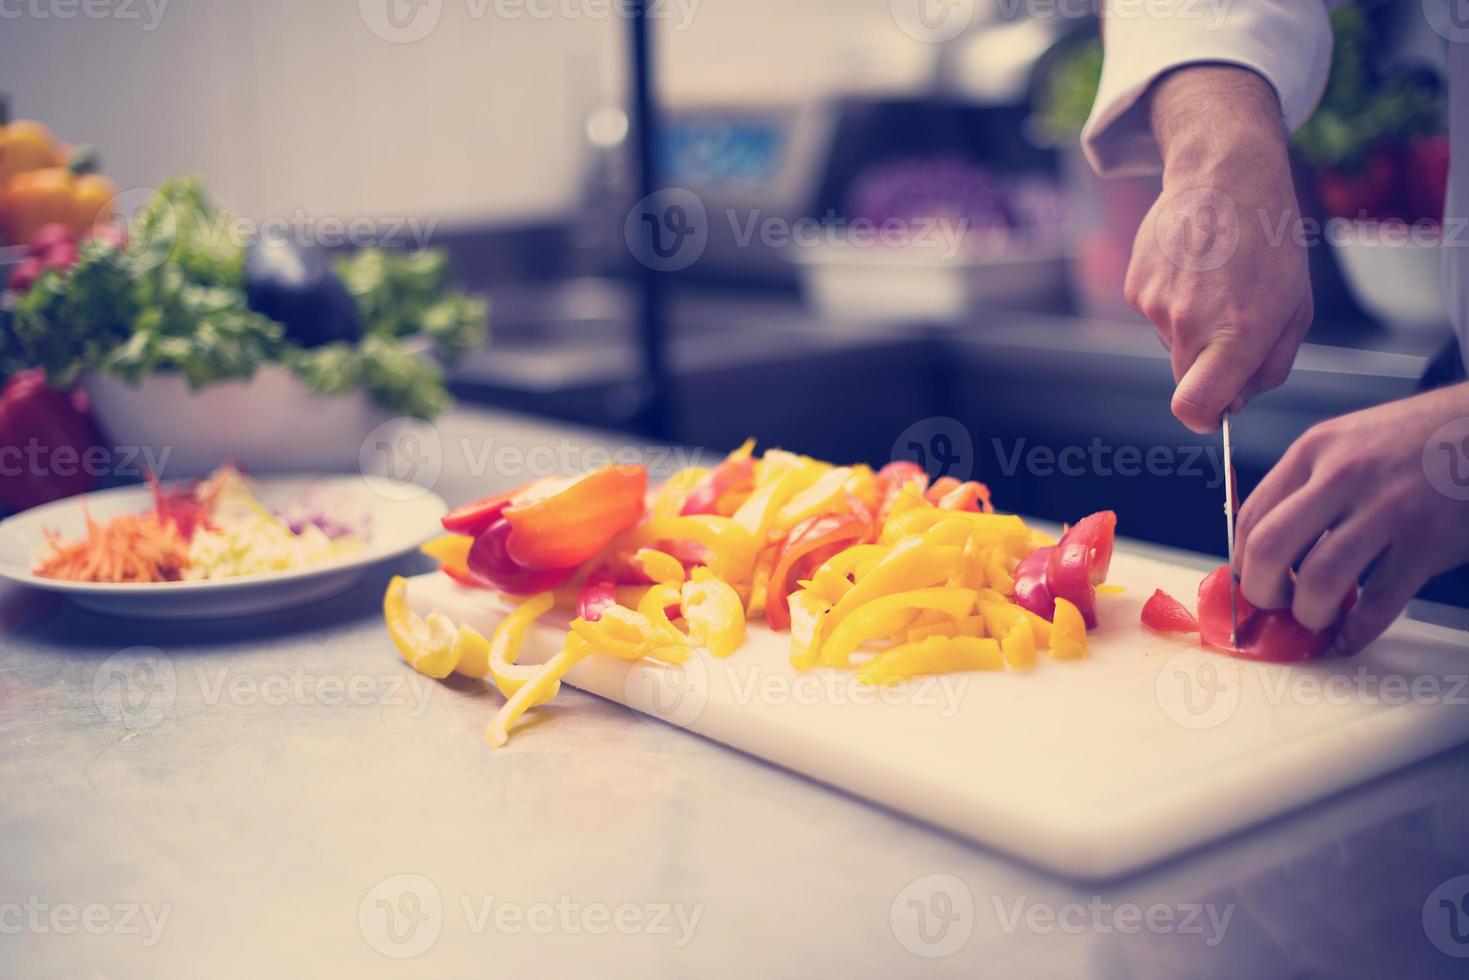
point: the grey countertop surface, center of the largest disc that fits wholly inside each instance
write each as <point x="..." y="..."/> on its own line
<point x="279" y="796"/>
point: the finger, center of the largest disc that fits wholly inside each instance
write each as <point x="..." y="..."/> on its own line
<point x="1287" y="477"/>
<point x="1334" y="566"/>
<point x="1393" y="583"/>
<point x="1281" y="537"/>
<point x="1275" y="369"/>
<point x="1212" y="382"/>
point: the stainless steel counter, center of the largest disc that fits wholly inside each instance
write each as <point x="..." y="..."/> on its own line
<point x="281" y="797"/>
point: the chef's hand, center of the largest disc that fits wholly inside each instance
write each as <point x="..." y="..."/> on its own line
<point x="1218" y="265"/>
<point x="1386" y="484"/>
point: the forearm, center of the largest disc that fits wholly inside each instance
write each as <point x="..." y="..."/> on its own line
<point x="1205" y="118"/>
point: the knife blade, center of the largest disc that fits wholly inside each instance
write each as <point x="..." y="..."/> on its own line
<point x="1229" y="508"/>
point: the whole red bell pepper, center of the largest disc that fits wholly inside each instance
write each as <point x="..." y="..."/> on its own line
<point x="46" y="439"/>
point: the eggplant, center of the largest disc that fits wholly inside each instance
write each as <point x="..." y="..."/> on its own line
<point x="297" y="287"/>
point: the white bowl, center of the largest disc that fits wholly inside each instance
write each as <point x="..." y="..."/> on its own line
<point x="270" y="423"/>
<point x="1395" y="272"/>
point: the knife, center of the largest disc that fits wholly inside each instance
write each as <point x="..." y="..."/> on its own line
<point x="1229" y="508"/>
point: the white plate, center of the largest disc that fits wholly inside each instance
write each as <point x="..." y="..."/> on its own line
<point x="403" y="517"/>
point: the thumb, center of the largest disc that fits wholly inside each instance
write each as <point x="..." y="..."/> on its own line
<point x="1211" y="384"/>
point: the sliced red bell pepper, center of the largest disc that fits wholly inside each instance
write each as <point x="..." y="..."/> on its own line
<point x="1079" y="563"/>
<point x="490" y="560"/>
<point x="1264" y="634"/>
<point x="730" y="476"/>
<point x="1031" y="590"/>
<point x="599" y="592"/>
<point x="809" y="543"/>
<point x="472" y="518"/>
<point x="1166" y="614"/>
<point x="570" y="521"/>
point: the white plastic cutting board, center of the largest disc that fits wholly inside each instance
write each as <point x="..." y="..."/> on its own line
<point x="1091" y="768"/>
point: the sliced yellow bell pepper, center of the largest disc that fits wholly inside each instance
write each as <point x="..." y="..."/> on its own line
<point x="862" y="484"/>
<point x="620" y="632"/>
<point x="1018" y="644"/>
<point x="426" y="643"/>
<point x="997" y="566"/>
<point x="1068" y="632"/>
<point x="807" y="612"/>
<point x="830" y="581"/>
<point x="730" y="547"/>
<point x="659" y="566"/>
<point x="714" y="613"/>
<point x="934" y="655"/>
<point x="473" y="655"/>
<point x="913" y="563"/>
<point x="451" y="551"/>
<point x="505" y="643"/>
<point x="758" y="513"/>
<point x="820" y="497"/>
<point x="882" y="617"/>
<point x="541" y="687"/>
<point x="964" y="626"/>
<point x="670" y="497"/>
<point x="1000" y="614"/>
<point x="669" y="641"/>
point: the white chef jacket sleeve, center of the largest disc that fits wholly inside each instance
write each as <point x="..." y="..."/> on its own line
<point x="1288" y="42"/>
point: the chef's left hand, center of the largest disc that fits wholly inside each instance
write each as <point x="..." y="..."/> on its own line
<point x="1350" y="491"/>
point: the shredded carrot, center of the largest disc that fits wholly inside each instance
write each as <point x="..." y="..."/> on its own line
<point x="128" y="548"/>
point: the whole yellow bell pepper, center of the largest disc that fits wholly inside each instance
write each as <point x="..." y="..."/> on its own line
<point x="882" y="617"/>
<point x="934" y="655"/>
<point x="714" y="612"/>
<point x="428" y="644"/>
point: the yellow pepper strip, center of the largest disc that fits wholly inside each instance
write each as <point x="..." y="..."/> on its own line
<point x="757" y="514"/>
<point x="760" y="583"/>
<point x="450" y="550"/>
<point x="659" y="566"/>
<point x="997" y="570"/>
<point x="862" y="484"/>
<point x="714" y="612"/>
<point x="655" y="606"/>
<point x="826" y="494"/>
<point x="963" y="626"/>
<point x="913" y="563"/>
<point x="882" y="617"/>
<point x="909" y="498"/>
<point x="730" y="546"/>
<point x="1018" y="644"/>
<point x="427" y="644"/>
<point x="807" y="620"/>
<point x="830" y="581"/>
<point x="505" y="643"/>
<point x="1068" y="633"/>
<point x="1107" y="588"/>
<point x="669" y="499"/>
<point x="935" y="655"/>
<point x="1000" y="615"/>
<point x="989" y="528"/>
<point x="773" y="462"/>
<point x="620" y="632"/>
<point x="540" y="688"/>
<point x="472" y="658"/>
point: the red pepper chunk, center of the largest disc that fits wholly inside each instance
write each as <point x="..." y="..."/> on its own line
<point x="1165" y="614"/>
<point x="1264" y="634"/>
<point x="490" y="560"/>
<point x="565" y="522"/>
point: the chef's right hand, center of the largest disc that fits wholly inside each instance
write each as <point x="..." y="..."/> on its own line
<point x="1218" y="265"/>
